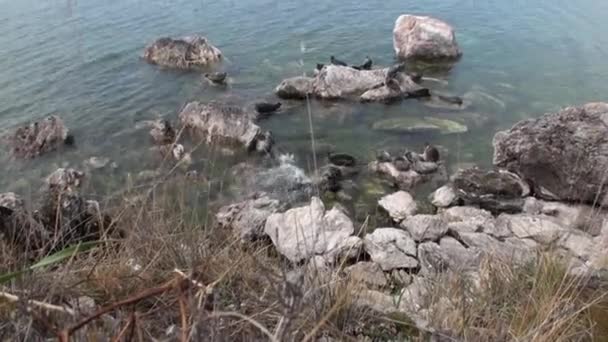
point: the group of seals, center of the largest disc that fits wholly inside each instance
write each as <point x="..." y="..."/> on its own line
<point x="366" y="65"/>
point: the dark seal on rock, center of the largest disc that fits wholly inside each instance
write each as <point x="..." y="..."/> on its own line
<point x="217" y="77"/>
<point x="336" y="61"/>
<point x="266" y="108"/>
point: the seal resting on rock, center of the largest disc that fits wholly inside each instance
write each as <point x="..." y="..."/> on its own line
<point x="430" y="154"/>
<point x="266" y="108"/>
<point x="336" y="61"/>
<point x="217" y="77"/>
<point x="367" y="64"/>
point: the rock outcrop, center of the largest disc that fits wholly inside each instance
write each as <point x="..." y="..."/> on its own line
<point x="182" y="53"/>
<point x="425" y="38"/>
<point x="63" y="216"/>
<point x="341" y="82"/>
<point x="222" y="123"/>
<point x="304" y="232"/>
<point x="564" y="155"/>
<point x="38" y="137"/>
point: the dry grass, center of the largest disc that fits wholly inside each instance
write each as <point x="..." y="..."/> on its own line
<point x="540" y="301"/>
<point x="237" y="292"/>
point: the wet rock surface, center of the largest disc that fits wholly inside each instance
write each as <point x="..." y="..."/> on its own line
<point x="223" y="123"/>
<point x="343" y="82"/>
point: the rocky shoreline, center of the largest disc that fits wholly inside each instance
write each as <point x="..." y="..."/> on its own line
<point x="545" y="192"/>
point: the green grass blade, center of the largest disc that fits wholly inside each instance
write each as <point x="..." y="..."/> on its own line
<point x="51" y="259"/>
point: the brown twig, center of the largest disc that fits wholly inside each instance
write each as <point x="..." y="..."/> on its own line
<point x="123" y="330"/>
<point x="183" y="313"/>
<point x="64" y="334"/>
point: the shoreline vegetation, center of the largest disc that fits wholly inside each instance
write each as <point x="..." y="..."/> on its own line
<point x="513" y="253"/>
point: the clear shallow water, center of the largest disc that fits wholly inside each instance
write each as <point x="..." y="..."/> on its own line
<point x="80" y="59"/>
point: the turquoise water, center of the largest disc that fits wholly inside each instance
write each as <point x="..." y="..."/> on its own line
<point x="80" y="59"/>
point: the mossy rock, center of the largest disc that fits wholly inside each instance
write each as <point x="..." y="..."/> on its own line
<point x="415" y="125"/>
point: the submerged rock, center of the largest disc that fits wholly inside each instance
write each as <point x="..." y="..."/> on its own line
<point x="426" y="38"/>
<point x="391" y="248"/>
<point x="218" y="122"/>
<point x="304" y="232"/>
<point x="286" y="181"/>
<point x="38" y="137"/>
<point x="413" y="125"/>
<point x="564" y="155"/>
<point x="182" y="53"/>
<point x="248" y="218"/>
<point x="398" y="205"/>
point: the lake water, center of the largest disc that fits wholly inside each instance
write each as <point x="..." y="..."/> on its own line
<point x="80" y="59"/>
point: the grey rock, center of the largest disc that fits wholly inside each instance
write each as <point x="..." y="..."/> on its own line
<point x="459" y="257"/>
<point x="444" y="197"/>
<point x="425" y="227"/>
<point x="38" y="137"/>
<point x="218" y="122"/>
<point x="398" y="205"/>
<point x="182" y="53"/>
<point x="406" y="180"/>
<point x="494" y="190"/>
<point x="573" y="216"/>
<point x="432" y="259"/>
<point x="391" y="248"/>
<point x="578" y="243"/>
<point x="418" y="37"/>
<point x="64" y="180"/>
<point x="368" y="273"/>
<point x="248" y="218"/>
<point x="11" y="201"/>
<point x="564" y="154"/>
<point x="537" y="228"/>
<point x="304" y="232"/>
<point x="295" y="87"/>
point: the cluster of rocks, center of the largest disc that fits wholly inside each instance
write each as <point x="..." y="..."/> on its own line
<point x="408" y="170"/>
<point x="502" y="214"/>
<point x="61" y="217"/>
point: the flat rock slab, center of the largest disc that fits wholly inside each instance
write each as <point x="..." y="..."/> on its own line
<point x="304" y="232"/>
